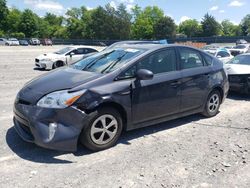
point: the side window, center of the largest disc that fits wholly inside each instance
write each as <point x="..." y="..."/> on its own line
<point x="80" y="51"/>
<point x="130" y="73"/>
<point x="222" y="54"/>
<point x="159" y="62"/>
<point x="208" y="59"/>
<point x="90" y="50"/>
<point x="190" y="58"/>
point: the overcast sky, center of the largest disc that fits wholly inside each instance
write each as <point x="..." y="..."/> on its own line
<point x="179" y="10"/>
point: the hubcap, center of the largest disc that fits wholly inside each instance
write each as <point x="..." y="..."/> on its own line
<point x="213" y="103"/>
<point x="104" y="129"/>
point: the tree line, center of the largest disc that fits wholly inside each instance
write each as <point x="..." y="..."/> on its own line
<point x="109" y="23"/>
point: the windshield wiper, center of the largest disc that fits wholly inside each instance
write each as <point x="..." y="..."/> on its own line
<point x="109" y="67"/>
<point x="88" y="66"/>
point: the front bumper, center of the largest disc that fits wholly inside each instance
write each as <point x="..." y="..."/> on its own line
<point x="240" y="83"/>
<point x="33" y="124"/>
<point x="44" y="64"/>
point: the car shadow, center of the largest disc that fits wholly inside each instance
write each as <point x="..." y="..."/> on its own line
<point x="238" y="96"/>
<point x="34" y="153"/>
<point x="40" y="69"/>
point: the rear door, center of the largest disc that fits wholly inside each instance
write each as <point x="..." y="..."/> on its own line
<point x="159" y="97"/>
<point x="195" y="77"/>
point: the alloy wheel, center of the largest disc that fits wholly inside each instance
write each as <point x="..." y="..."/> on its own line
<point x="213" y="103"/>
<point x="104" y="129"/>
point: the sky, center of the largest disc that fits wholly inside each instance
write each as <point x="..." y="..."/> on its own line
<point x="179" y="10"/>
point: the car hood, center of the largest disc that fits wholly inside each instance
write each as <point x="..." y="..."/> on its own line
<point x="49" y="55"/>
<point x="237" y="69"/>
<point x="60" y="79"/>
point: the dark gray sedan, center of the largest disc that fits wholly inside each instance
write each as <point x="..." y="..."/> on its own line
<point x="118" y="89"/>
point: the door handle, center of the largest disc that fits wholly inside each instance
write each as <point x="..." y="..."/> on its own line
<point x="175" y="84"/>
<point x="207" y="75"/>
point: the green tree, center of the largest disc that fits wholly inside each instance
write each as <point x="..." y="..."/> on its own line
<point x="13" y="20"/>
<point x="245" y="25"/>
<point x="143" y="26"/>
<point x="29" y="23"/>
<point x="164" y="28"/>
<point x="191" y="28"/>
<point x="229" y="29"/>
<point x="3" y="14"/>
<point x="77" y="22"/>
<point x="210" y="26"/>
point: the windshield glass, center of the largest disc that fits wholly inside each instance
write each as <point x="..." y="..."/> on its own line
<point x="107" y="61"/>
<point x="212" y="53"/>
<point x="64" y="50"/>
<point x="239" y="47"/>
<point x="241" y="60"/>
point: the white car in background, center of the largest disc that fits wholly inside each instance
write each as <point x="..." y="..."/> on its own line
<point x="65" y="56"/>
<point x="3" y="41"/>
<point x="240" y="49"/>
<point x="222" y="54"/>
<point x="13" y="42"/>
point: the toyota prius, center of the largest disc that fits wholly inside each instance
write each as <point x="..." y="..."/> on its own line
<point x="117" y="90"/>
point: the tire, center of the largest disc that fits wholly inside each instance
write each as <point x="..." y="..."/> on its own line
<point x="95" y="137"/>
<point x="57" y="64"/>
<point x="212" y="104"/>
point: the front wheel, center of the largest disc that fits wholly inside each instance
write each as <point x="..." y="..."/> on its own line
<point x="57" y="64"/>
<point x="212" y="104"/>
<point x="103" y="130"/>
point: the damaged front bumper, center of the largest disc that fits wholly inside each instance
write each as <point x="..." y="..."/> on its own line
<point x="56" y="129"/>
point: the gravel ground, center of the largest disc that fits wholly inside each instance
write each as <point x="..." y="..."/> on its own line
<point x="188" y="152"/>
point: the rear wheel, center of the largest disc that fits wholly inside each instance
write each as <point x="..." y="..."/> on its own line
<point x="103" y="130"/>
<point x="212" y="104"/>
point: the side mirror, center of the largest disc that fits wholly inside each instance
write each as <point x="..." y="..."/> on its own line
<point x="144" y="74"/>
<point x="71" y="54"/>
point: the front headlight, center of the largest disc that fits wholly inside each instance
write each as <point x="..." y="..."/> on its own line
<point x="59" y="99"/>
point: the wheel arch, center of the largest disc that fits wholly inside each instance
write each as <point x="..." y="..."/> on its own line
<point x="218" y="88"/>
<point x="116" y="106"/>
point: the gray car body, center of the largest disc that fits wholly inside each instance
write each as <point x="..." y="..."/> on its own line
<point x="140" y="102"/>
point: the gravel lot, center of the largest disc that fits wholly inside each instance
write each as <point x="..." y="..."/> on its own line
<point x="188" y="152"/>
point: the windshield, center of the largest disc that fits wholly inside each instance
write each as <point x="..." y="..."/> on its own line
<point x="240" y="47"/>
<point x="241" y="60"/>
<point x="212" y="53"/>
<point x="107" y="61"/>
<point x="64" y="50"/>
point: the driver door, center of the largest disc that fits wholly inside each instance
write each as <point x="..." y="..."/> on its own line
<point x="159" y="97"/>
<point x="75" y="55"/>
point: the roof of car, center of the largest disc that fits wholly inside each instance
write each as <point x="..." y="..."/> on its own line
<point x="80" y="46"/>
<point x="152" y="46"/>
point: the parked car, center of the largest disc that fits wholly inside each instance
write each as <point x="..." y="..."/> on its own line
<point x="13" y="42"/>
<point x="212" y="49"/>
<point x="119" y="89"/>
<point x="46" y="42"/>
<point x="35" y="41"/>
<point x="240" y="49"/>
<point x="23" y="42"/>
<point x="238" y="70"/>
<point x="222" y="54"/>
<point x="65" y="56"/>
<point x="241" y="41"/>
<point x="3" y="41"/>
